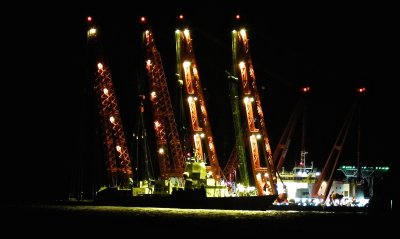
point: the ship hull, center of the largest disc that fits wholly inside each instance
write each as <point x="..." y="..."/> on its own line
<point x="193" y="200"/>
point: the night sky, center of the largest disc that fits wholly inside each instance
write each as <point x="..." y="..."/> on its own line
<point x="334" y="49"/>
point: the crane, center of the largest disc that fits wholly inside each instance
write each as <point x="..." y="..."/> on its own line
<point x="143" y="164"/>
<point x="116" y="153"/>
<point x="286" y="138"/>
<point x="321" y="188"/>
<point x="170" y="154"/>
<point x="237" y="158"/>
<point x="200" y="129"/>
<point x="262" y="165"/>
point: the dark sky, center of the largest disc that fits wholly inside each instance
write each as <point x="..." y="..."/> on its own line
<point x="332" y="48"/>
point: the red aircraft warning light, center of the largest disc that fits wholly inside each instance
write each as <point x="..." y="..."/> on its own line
<point x="361" y="89"/>
<point x="305" y="89"/>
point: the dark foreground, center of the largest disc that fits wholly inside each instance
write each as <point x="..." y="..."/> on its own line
<point x="87" y="220"/>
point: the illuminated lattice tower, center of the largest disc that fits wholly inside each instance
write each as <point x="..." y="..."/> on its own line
<point x="118" y="163"/>
<point x="260" y="153"/>
<point x="170" y="155"/>
<point x="200" y="129"/>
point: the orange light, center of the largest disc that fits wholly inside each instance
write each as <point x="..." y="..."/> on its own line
<point x="89" y="18"/>
<point x="143" y="19"/>
<point x="305" y="89"/>
<point x="181" y="16"/>
<point x="238" y="17"/>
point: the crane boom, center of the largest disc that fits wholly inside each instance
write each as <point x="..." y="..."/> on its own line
<point x="286" y="138"/>
<point x="333" y="158"/>
<point x="200" y="126"/>
<point x="237" y="159"/>
<point x="142" y="164"/>
<point x="259" y="146"/>
<point x="118" y="162"/>
<point x="170" y="155"/>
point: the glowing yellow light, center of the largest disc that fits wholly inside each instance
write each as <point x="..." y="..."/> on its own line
<point x="258" y="136"/>
<point x="118" y="148"/>
<point x="100" y="66"/>
<point x="202" y="135"/>
<point x="146" y="32"/>
<point x="153" y="94"/>
<point x="195" y="71"/>
<point x="190" y="98"/>
<point x="186" y="32"/>
<point x="148" y="62"/>
<point x="243" y="33"/>
<point x="245" y="100"/>
<point x="186" y="64"/>
<point x="105" y="91"/>
<point x="143" y="19"/>
<point x="92" y="31"/>
<point x="258" y="176"/>
<point x="112" y="119"/>
<point x="161" y="151"/>
<point x="241" y="65"/>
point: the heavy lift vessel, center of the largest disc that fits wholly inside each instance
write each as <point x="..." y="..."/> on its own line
<point x="203" y="179"/>
<point x="200" y="172"/>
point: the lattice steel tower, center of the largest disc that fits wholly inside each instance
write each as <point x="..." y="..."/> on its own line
<point x="200" y="130"/>
<point x="170" y="155"/>
<point x="255" y="131"/>
<point x="118" y="163"/>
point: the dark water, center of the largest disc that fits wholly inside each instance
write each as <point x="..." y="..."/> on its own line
<point x="81" y="220"/>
